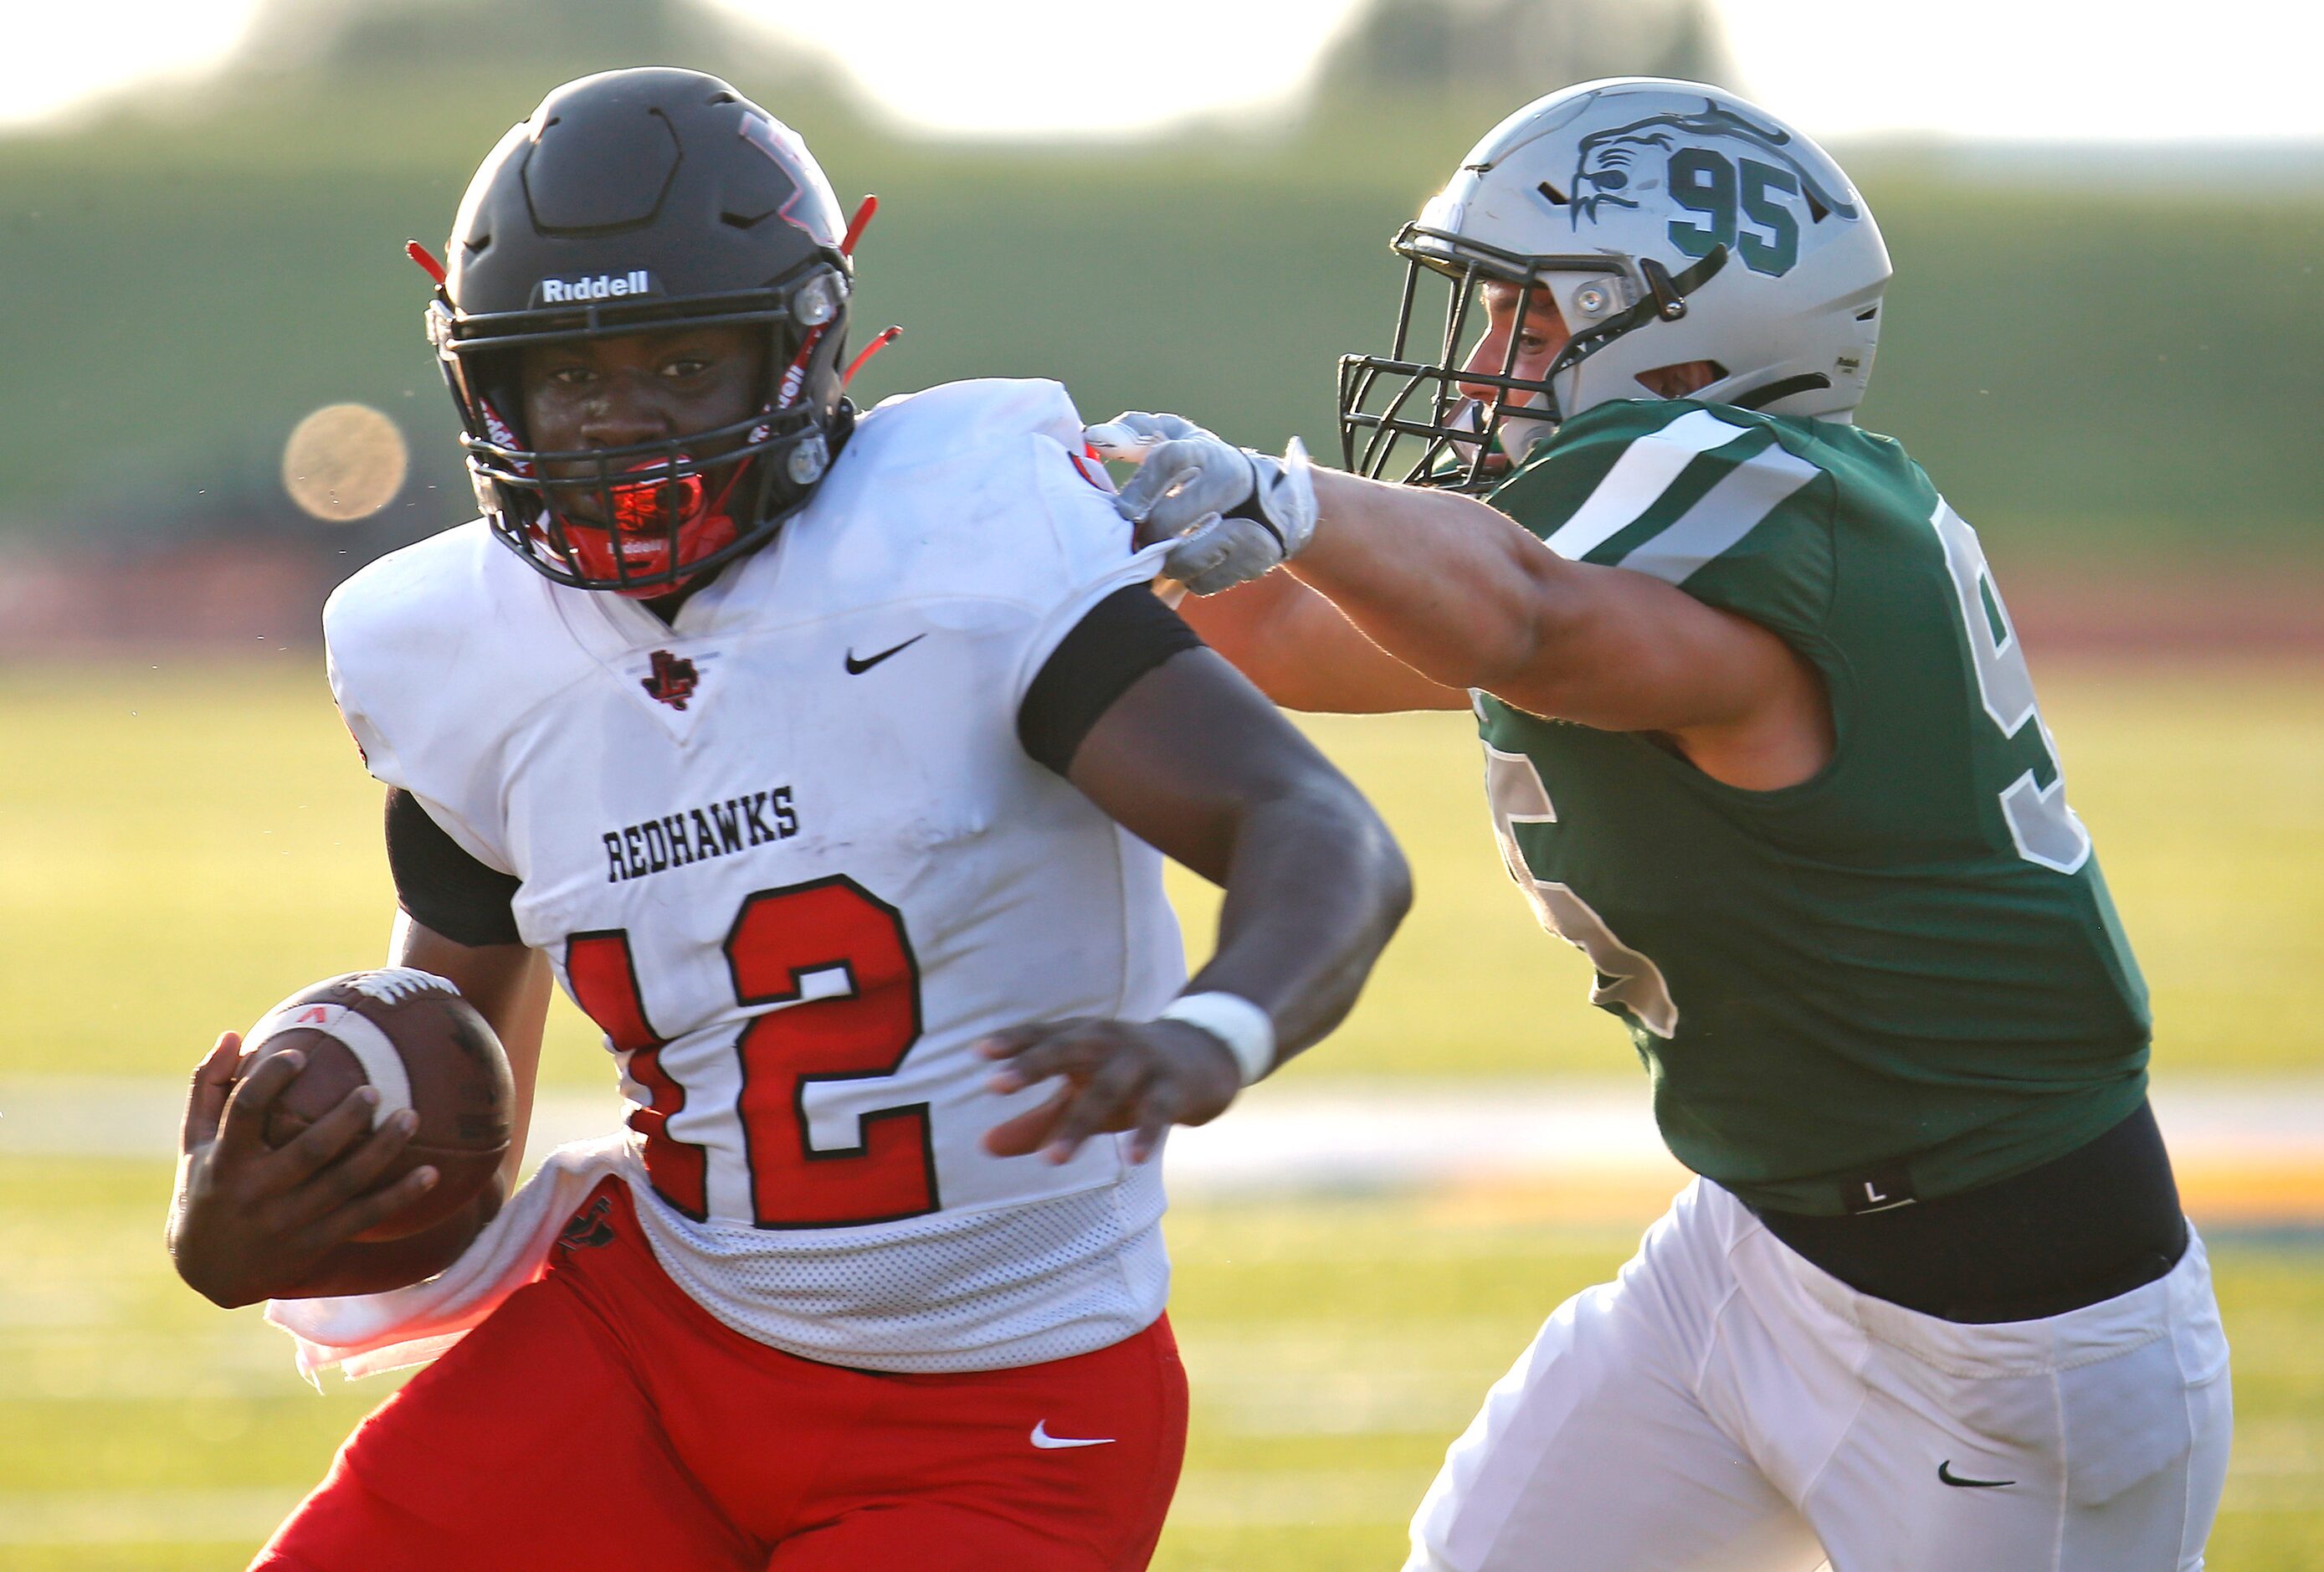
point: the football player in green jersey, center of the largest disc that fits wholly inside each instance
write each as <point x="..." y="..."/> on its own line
<point x="1760" y="740"/>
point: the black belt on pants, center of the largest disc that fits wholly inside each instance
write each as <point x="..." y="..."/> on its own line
<point x="2100" y="1221"/>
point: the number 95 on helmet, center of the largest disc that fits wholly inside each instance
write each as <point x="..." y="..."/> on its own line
<point x="1666" y="223"/>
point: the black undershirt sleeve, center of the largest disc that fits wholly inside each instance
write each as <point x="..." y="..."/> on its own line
<point x="1122" y="638"/>
<point x="441" y="885"/>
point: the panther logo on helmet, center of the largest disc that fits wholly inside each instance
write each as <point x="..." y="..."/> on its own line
<point x="1604" y="173"/>
<point x="1605" y="169"/>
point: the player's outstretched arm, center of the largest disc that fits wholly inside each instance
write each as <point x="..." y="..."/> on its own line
<point x="1196" y="763"/>
<point x="1457" y="592"/>
<point x="1303" y="652"/>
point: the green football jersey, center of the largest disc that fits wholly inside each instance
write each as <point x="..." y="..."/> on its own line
<point x="1901" y="978"/>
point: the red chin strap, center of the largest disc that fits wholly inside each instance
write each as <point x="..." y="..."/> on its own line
<point x="642" y="535"/>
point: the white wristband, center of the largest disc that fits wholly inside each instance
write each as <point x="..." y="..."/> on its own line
<point x="1246" y="1029"/>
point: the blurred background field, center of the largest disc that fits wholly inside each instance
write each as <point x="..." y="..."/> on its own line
<point x="185" y="842"/>
<point x="2109" y="357"/>
<point x="1335" y="1347"/>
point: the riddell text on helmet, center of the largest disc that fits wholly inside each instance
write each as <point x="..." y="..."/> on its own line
<point x="554" y="291"/>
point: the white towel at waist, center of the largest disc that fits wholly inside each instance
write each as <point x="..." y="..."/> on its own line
<point x="364" y="1333"/>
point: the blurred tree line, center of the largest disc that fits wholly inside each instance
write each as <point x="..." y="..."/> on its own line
<point x="390" y="36"/>
<point x="1488" y="50"/>
<point x="2132" y="362"/>
<point x="1503" y="51"/>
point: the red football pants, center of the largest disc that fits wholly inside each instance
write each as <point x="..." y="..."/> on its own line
<point x="602" y="1419"/>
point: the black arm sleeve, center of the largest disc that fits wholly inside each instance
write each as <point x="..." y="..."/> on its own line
<point x="441" y="885"/>
<point x="1122" y="638"/>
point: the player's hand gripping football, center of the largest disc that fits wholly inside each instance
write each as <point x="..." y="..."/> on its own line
<point x="1234" y="512"/>
<point x="251" y="1222"/>
<point x="1138" y="1076"/>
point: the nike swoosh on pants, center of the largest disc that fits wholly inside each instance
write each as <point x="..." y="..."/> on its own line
<point x="1048" y="1443"/>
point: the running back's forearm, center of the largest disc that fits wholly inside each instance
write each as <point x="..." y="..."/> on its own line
<point x="510" y="985"/>
<point x="1198" y="765"/>
<point x="1314" y="887"/>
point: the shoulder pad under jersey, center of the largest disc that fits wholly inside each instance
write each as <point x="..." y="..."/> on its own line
<point x="969" y="489"/>
<point x="956" y="417"/>
<point x="435" y="652"/>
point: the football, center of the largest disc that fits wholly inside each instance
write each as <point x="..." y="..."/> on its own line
<point x="410" y="1035"/>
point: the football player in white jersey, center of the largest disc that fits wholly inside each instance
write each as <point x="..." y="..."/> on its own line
<point x="828" y="763"/>
<point x="1759" y="741"/>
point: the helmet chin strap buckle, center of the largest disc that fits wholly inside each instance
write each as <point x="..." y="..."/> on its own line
<point x="1670" y="304"/>
<point x="1665" y="301"/>
<point x="809" y="460"/>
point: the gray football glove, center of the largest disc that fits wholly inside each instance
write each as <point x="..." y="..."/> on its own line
<point x="1234" y="512"/>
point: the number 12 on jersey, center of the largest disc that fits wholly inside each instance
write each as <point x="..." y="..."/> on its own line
<point x="832" y="961"/>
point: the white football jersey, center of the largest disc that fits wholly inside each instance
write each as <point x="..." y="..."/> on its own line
<point x="792" y="856"/>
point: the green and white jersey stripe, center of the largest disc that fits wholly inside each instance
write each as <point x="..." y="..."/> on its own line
<point x="1743" y="498"/>
<point x="1907" y="966"/>
<point x="1639" y="479"/>
<point x="1623" y="512"/>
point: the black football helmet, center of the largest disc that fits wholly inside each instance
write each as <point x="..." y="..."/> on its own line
<point x="630" y="200"/>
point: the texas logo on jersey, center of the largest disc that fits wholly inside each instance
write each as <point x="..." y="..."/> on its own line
<point x="673" y="681"/>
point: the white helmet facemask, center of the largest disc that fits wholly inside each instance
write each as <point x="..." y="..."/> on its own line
<point x="1666" y="223"/>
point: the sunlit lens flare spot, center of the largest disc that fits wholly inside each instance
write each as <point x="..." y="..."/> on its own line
<point x="344" y="462"/>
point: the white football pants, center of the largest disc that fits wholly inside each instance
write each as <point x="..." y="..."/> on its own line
<point x="1725" y="1405"/>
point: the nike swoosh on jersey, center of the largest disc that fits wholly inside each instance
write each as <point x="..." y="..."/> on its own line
<point x="1945" y="1473"/>
<point x="1048" y="1443"/>
<point x="856" y="668"/>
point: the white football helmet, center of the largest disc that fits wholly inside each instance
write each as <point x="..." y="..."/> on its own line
<point x="1668" y="222"/>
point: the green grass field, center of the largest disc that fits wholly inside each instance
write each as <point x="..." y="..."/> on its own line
<point x="185" y="845"/>
<point x="180" y="845"/>
<point x="1335" y="1349"/>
